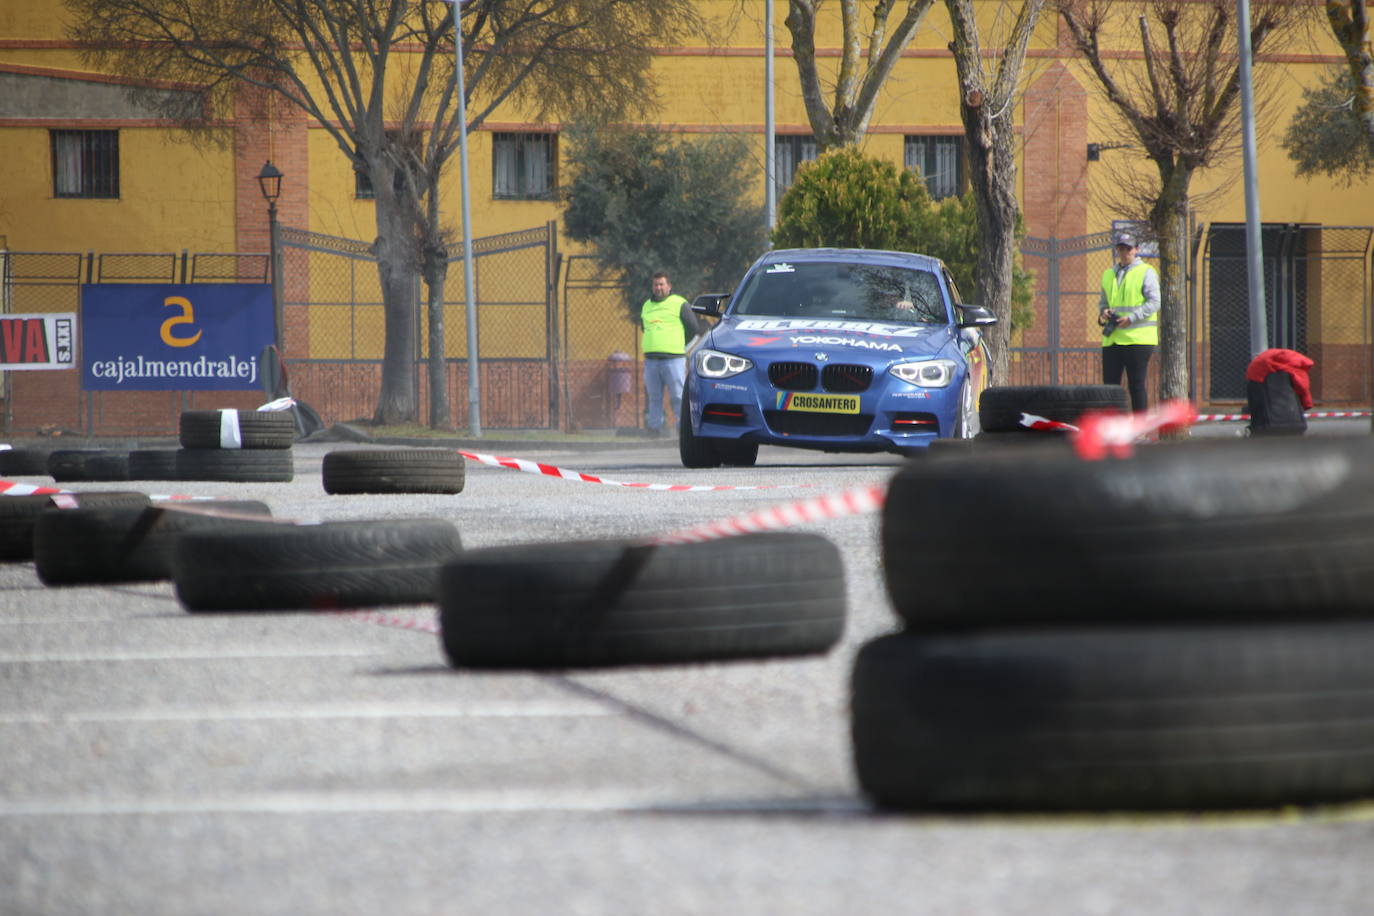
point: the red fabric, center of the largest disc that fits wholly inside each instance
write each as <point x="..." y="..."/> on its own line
<point x="1290" y="361"/>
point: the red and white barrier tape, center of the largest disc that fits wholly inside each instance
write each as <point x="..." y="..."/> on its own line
<point x="854" y="501"/>
<point x="1031" y="421"/>
<point x="13" y="488"/>
<point x="1310" y="414"/>
<point x="549" y="470"/>
<point x="1103" y="434"/>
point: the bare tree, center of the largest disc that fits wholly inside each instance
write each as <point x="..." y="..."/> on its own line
<point x="378" y="76"/>
<point x="1349" y="21"/>
<point x="1178" y="98"/>
<point x="986" y="107"/>
<point x="866" y="61"/>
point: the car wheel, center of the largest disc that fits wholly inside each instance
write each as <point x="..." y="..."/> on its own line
<point x="967" y="425"/>
<point x="695" y="451"/>
<point x="601" y="603"/>
<point x="1116" y="717"/>
<point x="736" y="453"/>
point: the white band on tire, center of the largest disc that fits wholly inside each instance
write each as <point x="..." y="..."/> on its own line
<point x="229" y="435"/>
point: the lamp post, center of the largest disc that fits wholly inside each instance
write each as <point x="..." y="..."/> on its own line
<point x="469" y="297"/>
<point x="269" y="182"/>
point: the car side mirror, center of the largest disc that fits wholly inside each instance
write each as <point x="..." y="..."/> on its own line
<point x="975" y="316"/>
<point x="710" y="304"/>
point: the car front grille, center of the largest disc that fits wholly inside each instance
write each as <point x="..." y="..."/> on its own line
<point x="843" y="377"/>
<point x="805" y="423"/>
<point x="792" y="376"/>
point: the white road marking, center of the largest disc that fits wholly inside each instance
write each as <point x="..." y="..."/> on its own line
<point x="490" y="802"/>
<point x="187" y="655"/>
<point x="284" y="712"/>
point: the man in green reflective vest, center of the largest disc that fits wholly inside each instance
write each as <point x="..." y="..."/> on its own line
<point x="1129" y="315"/>
<point x="668" y="325"/>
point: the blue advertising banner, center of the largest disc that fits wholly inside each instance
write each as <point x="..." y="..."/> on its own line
<point x="174" y="336"/>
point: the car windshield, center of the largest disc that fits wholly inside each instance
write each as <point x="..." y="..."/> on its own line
<point x="839" y="290"/>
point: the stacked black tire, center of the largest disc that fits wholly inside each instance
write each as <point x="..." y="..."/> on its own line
<point x="1189" y="627"/>
<point x="235" y="445"/>
<point x="1001" y="408"/>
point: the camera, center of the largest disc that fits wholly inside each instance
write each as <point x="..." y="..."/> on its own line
<point x="1109" y="321"/>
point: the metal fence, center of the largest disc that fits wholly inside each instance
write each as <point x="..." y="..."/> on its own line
<point x="559" y="343"/>
<point x="1317" y="300"/>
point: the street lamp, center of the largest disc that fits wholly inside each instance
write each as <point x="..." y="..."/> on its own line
<point x="269" y="182"/>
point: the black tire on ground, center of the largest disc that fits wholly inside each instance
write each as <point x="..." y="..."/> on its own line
<point x="258" y="429"/>
<point x="88" y="464"/>
<point x="19" y="515"/>
<point x="1205" y="530"/>
<point x="314" y="567"/>
<point x="1162" y="717"/>
<point x="735" y="453"/>
<point x="153" y="464"/>
<point x="695" y="451"/>
<point x="24" y="462"/>
<point x="602" y="603"/>
<point x="244" y="465"/>
<point x="1000" y="407"/>
<point x="403" y="470"/>
<point x="946" y="448"/>
<point x="75" y="546"/>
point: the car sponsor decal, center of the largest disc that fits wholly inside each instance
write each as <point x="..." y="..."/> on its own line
<point x="781" y="268"/>
<point x="811" y="341"/>
<point x="818" y="403"/>
<point x="761" y="341"/>
<point x="725" y="386"/>
<point x="830" y="324"/>
<point x="920" y="395"/>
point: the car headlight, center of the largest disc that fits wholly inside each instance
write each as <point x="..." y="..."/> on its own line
<point x="928" y="373"/>
<point x="715" y="364"/>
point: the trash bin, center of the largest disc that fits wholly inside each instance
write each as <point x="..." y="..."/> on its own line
<point x="620" y="373"/>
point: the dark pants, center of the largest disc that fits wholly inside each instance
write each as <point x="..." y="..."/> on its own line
<point x="1134" y="359"/>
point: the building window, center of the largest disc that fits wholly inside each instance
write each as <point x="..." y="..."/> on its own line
<point x="940" y="160"/>
<point x="85" y="163"/>
<point x="790" y="151"/>
<point x="523" y="166"/>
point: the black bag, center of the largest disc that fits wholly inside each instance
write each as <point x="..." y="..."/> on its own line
<point x="1274" y="407"/>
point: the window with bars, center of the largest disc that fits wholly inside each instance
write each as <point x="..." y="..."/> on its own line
<point x="790" y="151"/>
<point x="940" y="160"/>
<point x="85" y="163"/>
<point x="523" y="166"/>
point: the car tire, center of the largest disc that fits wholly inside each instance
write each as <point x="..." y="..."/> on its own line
<point x="24" y="462"/>
<point x="1204" y="530"/>
<point x="314" y="567"/>
<point x="408" y="470"/>
<point x="257" y="429"/>
<point x="968" y="424"/>
<point x="695" y="451"/>
<point x="1000" y="407"/>
<point x="605" y="603"/>
<point x="153" y="464"/>
<point x="88" y="464"/>
<point x="1109" y="718"/>
<point x="735" y="453"/>
<point x="245" y="466"/>
<point x="19" y="515"/>
<point x="79" y="546"/>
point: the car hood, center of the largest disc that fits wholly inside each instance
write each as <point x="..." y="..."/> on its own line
<point x="873" y="342"/>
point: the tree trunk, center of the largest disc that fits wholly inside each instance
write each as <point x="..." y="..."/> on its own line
<point x="397" y="401"/>
<point x="1169" y="222"/>
<point x="436" y="271"/>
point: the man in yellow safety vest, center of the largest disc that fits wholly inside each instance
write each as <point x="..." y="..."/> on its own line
<point x="668" y="325"/>
<point x="1129" y="315"/>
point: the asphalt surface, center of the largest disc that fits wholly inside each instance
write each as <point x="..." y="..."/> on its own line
<point x="154" y="761"/>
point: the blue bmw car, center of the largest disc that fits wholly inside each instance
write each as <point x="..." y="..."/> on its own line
<point x="842" y="350"/>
